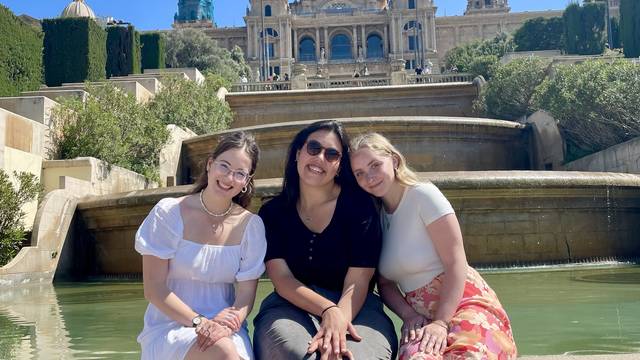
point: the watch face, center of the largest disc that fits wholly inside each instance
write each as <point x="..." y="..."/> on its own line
<point x="196" y="321"/>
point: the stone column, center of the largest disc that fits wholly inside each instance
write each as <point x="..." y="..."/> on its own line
<point x="249" y="40"/>
<point x="326" y="42"/>
<point x="364" y="41"/>
<point x="295" y="43"/>
<point x="318" y="44"/>
<point x="282" y="41"/>
<point x="385" y="39"/>
<point x="401" y="37"/>
<point x="256" y="41"/>
<point x="354" y="42"/>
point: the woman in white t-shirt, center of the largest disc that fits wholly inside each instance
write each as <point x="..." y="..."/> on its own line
<point x="202" y="256"/>
<point x="448" y="310"/>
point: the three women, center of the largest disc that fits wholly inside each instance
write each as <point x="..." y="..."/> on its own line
<point x="324" y="239"/>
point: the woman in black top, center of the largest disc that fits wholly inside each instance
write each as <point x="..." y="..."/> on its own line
<point x="323" y="245"/>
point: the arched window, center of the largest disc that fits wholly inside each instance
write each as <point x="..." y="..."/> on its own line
<point x="412" y="4"/>
<point x="307" y="49"/>
<point x="375" y="48"/>
<point x="267" y="10"/>
<point x="341" y="47"/>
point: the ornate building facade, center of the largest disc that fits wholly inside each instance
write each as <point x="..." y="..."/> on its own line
<point x="338" y="37"/>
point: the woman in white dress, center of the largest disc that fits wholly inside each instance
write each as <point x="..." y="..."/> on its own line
<point x="202" y="256"/>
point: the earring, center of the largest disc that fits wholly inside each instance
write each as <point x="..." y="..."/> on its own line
<point x="244" y="189"/>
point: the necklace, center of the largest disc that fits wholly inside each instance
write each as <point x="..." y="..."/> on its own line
<point x="214" y="227"/>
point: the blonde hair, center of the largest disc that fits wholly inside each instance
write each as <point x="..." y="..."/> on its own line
<point x="381" y="146"/>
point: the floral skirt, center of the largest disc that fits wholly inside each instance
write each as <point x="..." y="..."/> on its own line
<point x="480" y="328"/>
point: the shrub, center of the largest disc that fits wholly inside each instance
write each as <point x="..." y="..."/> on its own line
<point x="630" y="27"/>
<point x="12" y="232"/>
<point x="463" y="57"/>
<point x="123" y="51"/>
<point x="194" y="48"/>
<point x="112" y="127"/>
<point x="596" y="103"/>
<point x="196" y="107"/>
<point x="539" y="34"/>
<point x="74" y="50"/>
<point x="20" y="55"/>
<point x="153" y="51"/>
<point x="508" y="95"/>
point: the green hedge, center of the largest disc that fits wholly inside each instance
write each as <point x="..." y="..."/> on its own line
<point x="74" y="51"/>
<point x="630" y="27"/>
<point x="540" y="34"/>
<point x="153" y="51"/>
<point x="584" y="29"/>
<point x="20" y="55"/>
<point x="123" y="51"/>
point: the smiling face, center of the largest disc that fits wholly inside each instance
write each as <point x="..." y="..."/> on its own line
<point x="228" y="173"/>
<point x="373" y="171"/>
<point x="320" y="169"/>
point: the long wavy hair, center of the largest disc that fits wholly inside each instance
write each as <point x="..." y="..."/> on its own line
<point x="382" y="146"/>
<point x="291" y="181"/>
<point x="234" y="140"/>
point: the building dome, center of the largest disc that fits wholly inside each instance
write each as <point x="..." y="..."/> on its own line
<point x="77" y="8"/>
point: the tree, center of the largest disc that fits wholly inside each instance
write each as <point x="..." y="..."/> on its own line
<point x="630" y="27"/>
<point x="193" y="48"/>
<point x="12" y="232"/>
<point x="509" y="94"/>
<point x="466" y="57"/>
<point x="540" y="34"/>
<point x="596" y="103"/>
<point x="584" y="31"/>
<point x="615" y="34"/>
<point x="111" y="126"/>
<point x="196" y="107"/>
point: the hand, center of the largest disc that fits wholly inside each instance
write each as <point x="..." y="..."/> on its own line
<point x="209" y="332"/>
<point x="331" y="339"/>
<point x="412" y="327"/>
<point x="229" y="317"/>
<point x="434" y="339"/>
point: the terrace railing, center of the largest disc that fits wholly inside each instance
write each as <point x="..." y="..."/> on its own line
<point x="346" y="83"/>
<point x="439" y="78"/>
<point x="261" y="86"/>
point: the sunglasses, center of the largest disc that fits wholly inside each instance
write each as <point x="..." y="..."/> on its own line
<point x="314" y="148"/>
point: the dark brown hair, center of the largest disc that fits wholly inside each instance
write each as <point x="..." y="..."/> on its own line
<point x="234" y="140"/>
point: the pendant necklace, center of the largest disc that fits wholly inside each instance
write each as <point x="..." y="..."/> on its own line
<point x="214" y="227"/>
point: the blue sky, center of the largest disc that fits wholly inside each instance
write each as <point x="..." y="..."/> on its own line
<point x="158" y="14"/>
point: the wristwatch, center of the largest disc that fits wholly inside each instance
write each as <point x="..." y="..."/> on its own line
<point x="197" y="320"/>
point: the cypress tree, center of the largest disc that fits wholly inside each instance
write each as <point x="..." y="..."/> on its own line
<point x="630" y="27"/>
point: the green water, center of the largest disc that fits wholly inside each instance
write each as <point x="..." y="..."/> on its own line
<point x="575" y="310"/>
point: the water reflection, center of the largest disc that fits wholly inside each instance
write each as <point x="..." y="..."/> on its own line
<point x="571" y="311"/>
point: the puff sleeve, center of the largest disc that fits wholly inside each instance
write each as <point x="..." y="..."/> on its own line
<point x="253" y="250"/>
<point x="433" y="203"/>
<point x="161" y="231"/>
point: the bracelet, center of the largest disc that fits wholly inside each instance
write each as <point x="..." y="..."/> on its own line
<point x="327" y="308"/>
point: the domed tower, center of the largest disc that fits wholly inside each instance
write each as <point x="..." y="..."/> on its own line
<point x="77" y="8"/>
<point x="487" y="7"/>
<point x="194" y="11"/>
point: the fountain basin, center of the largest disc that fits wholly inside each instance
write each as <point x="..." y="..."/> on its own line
<point x="507" y="218"/>
<point x="430" y="143"/>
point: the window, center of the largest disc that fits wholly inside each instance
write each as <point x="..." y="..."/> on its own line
<point x="410" y="64"/>
<point x="271" y="48"/>
<point x="375" y="47"/>
<point x="267" y="10"/>
<point x="307" y="49"/>
<point x="341" y="47"/>
<point x="412" y="4"/>
<point x="412" y="42"/>
<point x="270" y="32"/>
<point x="412" y="25"/>
<point x="487" y="3"/>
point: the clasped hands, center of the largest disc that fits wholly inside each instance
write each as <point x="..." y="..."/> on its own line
<point x="331" y="339"/>
<point x="431" y="335"/>
<point x="226" y="323"/>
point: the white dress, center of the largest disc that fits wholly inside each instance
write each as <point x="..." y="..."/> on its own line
<point x="201" y="275"/>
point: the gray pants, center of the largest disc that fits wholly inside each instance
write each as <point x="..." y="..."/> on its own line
<point x="283" y="331"/>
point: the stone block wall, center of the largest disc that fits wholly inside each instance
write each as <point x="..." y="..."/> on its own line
<point x="622" y="158"/>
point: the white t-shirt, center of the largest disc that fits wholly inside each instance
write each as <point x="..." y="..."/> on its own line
<point x="408" y="254"/>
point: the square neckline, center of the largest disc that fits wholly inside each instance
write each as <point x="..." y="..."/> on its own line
<point x="178" y="202"/>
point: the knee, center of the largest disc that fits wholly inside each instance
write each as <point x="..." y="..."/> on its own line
<point x="225" y="349"/>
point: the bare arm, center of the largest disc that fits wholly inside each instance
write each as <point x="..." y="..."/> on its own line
<point x="154" y="273"/>
<point x="354" y="292"/>
<point x="245" y="298"/>
<point x="447" y="239"/>
<point x="393" y="298"/>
